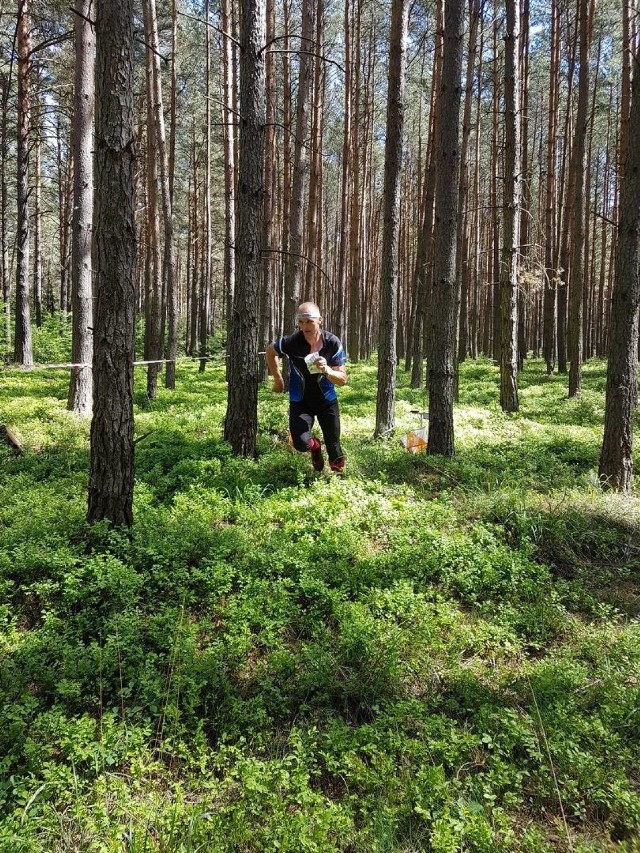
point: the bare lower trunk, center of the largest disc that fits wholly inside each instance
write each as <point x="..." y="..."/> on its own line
<point x="112" y="446"/>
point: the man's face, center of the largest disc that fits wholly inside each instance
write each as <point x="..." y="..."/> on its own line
<point x="310" y="327"/>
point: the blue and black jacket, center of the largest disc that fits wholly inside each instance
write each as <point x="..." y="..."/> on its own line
<point x="312" y="388"/>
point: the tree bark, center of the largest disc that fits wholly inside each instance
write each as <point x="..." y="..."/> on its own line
<point x="293" y="261"/>
<point x="241" y="422"/>
<point x="511" y="215"/>
<point x="616" y="460"/>
<point x="80" y="384"/>
<point x="5" y="82"/>
<point x="551" y="273"/>
<point x="228" y="120"/>
<point x="462" y="239"/>
<point x="442" y="319"/>
<point x="578" y="163"/>
<point x="385" y="404"/>
<point x="343" y="230"/>
<point x="169" y="257"/>
<point x="153" y="267"/>
<point x="23" y="341"/>
<point x="354" y="335"/>
<point x="269" y="227"/>
<point x="424" y="250"/>
<point x="112" y="446"/>
<point x="206" y="302"/>
<point x="37" y="227"/>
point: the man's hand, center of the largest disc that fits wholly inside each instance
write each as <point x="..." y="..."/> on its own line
<point x="274" y="369"/>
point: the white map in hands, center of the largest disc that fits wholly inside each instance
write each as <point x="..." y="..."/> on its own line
<point x="310" y="361"/>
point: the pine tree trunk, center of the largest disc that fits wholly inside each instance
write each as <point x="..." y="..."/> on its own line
<point x="112" y="447"/>
<point x="344" y="227"/>
<point x="37" y="229"/>
<point x="355" y="231"/>
<point x="4" y="193"/>
<point x="462" y="238"/>
<point x="194" y="324"/>
<point x="241" y="422"/>
<point x="511" y="215"/>
<point x="385" y="404"/>
<point x="80" y="384"/>
<point x="578" y="163"/>
<point x="268" y="283"/>
<point x="162" y="156"/>
<point x="207" y="306"/>
<point x="153" y="267"/>
<point x="228" y="121"/>
<point x="65" y="193"/>
<point x="23" y="343"/>
<point x="551" y="274"/>
<point x="293" y="260"/>
<point x="442" y="319"/>
<point x="425" y="250"/>
<point x="616" y="458"/>
<point x="314" y="211"/>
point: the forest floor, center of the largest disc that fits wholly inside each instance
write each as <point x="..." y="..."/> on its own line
<point x="424" y="655"/>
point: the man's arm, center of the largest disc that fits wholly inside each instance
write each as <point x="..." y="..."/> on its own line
<point x="274" y="369"/>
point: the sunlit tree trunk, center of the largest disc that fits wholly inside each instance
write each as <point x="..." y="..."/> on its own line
<point x="524" y="296"/>
<point x="153" y="266"/>
<point x="509" y="265"/>
<point x="196" y="246"/>
<point x="4" y="193"/>
<point x="65" y="193"/>
<point x="37" y="227"/>
<point x="355" y="231"/>
<point x="23" y="342"/>
<point x="206" y="307"/>
<point x="551" y="273"/>
<point x="462" y="238"/>
<point x="80" y="384"/>
<point x="477" y="219"/>
<point x="228" y="121"/>
<point x="173" y="118"/>
<point x="565" y="210"/>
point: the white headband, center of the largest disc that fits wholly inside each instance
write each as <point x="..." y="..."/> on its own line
<point x="307" y="315"/>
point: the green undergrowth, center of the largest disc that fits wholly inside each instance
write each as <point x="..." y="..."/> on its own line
<point x="425" y="655"/>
